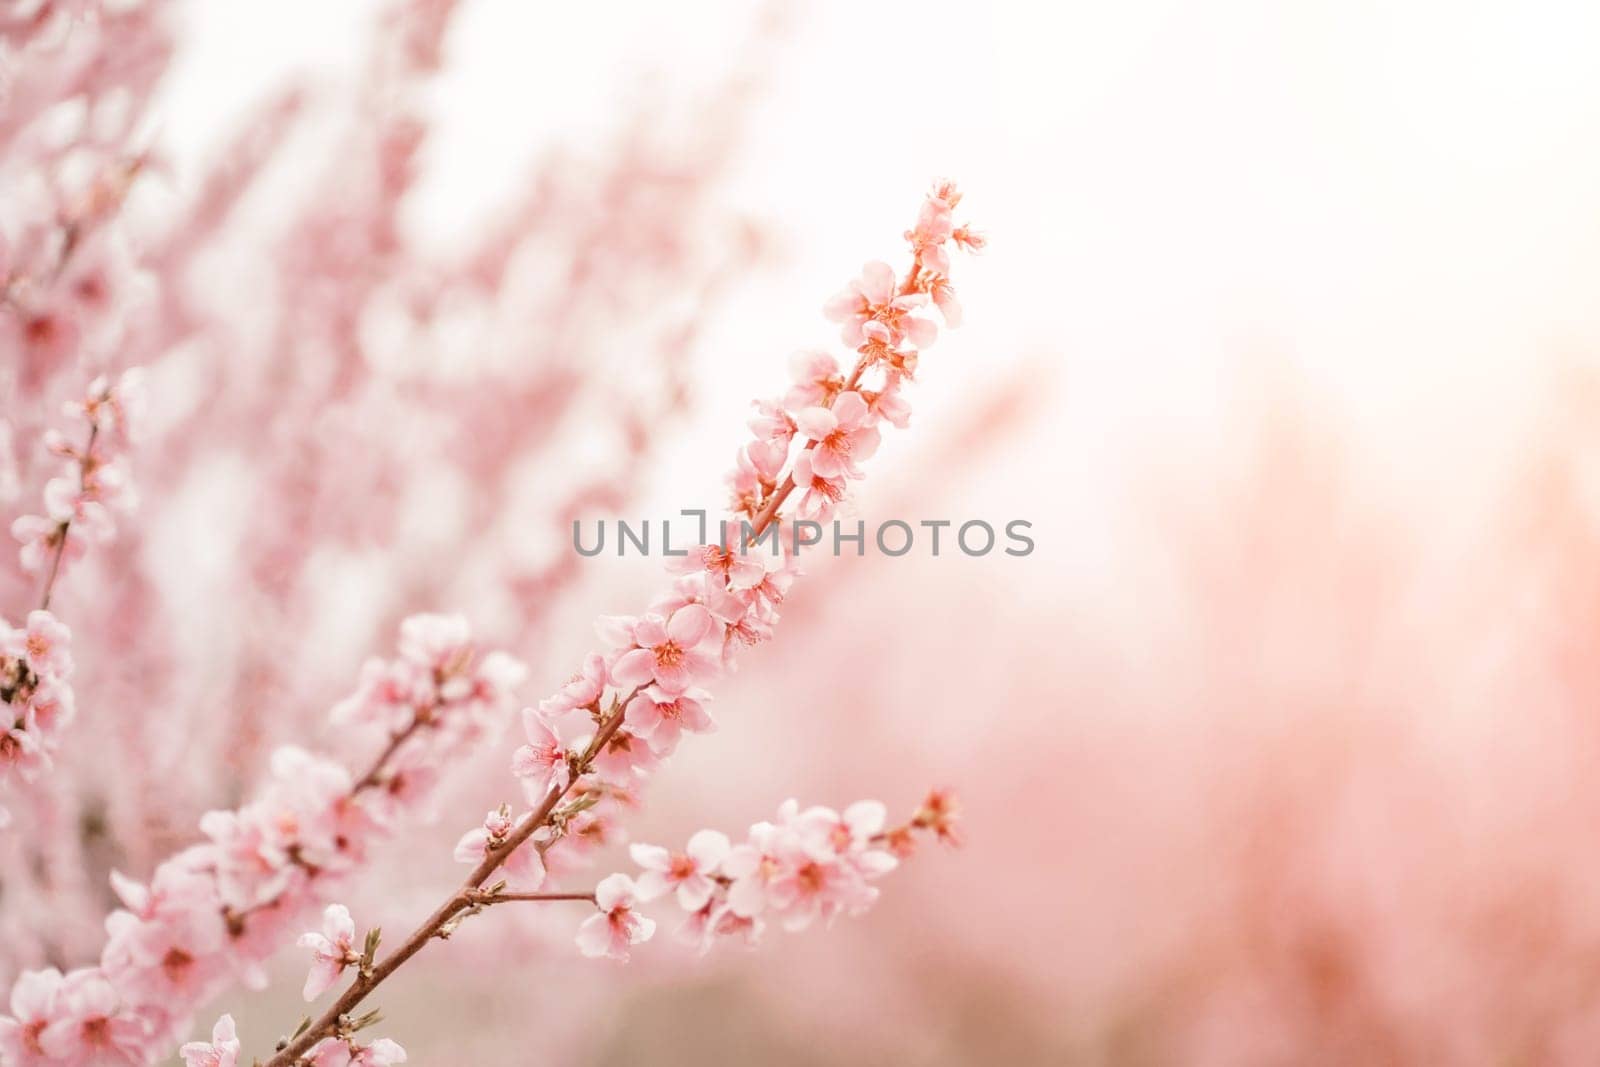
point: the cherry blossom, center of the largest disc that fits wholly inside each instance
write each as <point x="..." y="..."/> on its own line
<point x="221" y="1051"/>
<point x="844" y="436"/>
<point x="338" y="1052"/>
<point x="817" y="380"/>
<point x="818" y="492"/>
<point x="872" y="298"/>
<point x="618" y="926"/>
<point x="524" y="869"/>
<point x="661" y="717"/>
<point x="332" y="950"/>
<point x="669" y="652"/>
<point x="590" y="743"/>
<point x="91" y="1024"/>
<point x="541" y="764"/>
<point x="803" y="866"/>
<point x="687" y="873"/>
<point x="33" y="1001"/>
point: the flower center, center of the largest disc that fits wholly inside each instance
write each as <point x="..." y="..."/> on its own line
<point x="668" y="654"/>
<point x="812" y="877"/>
<point x="176" y="964"/>
<point x="40" y="330"/>
<point x="97" y="1032"/>
<point x="681" y="867"/>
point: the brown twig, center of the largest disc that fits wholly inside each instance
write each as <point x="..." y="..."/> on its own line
<point x="85" y="462"/>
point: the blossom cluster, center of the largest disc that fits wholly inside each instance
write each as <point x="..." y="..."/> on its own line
<point x="78" y="503"/>
<point x="36" y="702"/>
<point x="804" y="866"/>
<point x="590" y="744"/>
<point x="217" y="910"/>
<point x="223" y="1050"/>
<point x="658" y="665"/>
<point x="36" y="699"/>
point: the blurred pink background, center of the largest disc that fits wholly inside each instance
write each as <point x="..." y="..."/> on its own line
<point x="1280" y="746"/>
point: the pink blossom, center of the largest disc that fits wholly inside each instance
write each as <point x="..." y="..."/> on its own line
<point x="928" y="236"/>
<point x="752" y="865"/>
<point x="623" y="756"/>
<point x="439" y="642"/>
<point x="889" y="404"/>
<point x="523" y="869"/>
<point x="844" y="435"/>
<point x="381" y="1053"/>
<point x="581" y="691"/>
<point x="969" y="239"/>
<point x="817" y="380"/>
<point x="669" y="652"/>
<point x="944" y="298"/>
<point x="43" y="644"/>
<point x="617" y="926"/>
<point x="542" y="762"/>
<point x="818" y="492"/>
<point x="660" y="717"/>
<point x="688" y="873"/>
<point x="872" y="298"/>
<point x="91" y="1025"/>
<point x="174" y="956"/>
<point x="332" y="950"/>
<point x="21" y="749"/>
<point x="39" y="537"/>
<point x="772" y="423"/>
<point x="221" y="1051"/>
<point x="33" y="1005"/>
<point x="736" y="567"/>
<point x="337" y="1052"/>
<point x="115" y="408"/>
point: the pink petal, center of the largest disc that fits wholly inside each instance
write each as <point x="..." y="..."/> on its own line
<point x="708" y="848"/>
<point x="650" y="631"/>
<point x="850" y="410"/>
<point x="841" y="305"/>
<point x="594" y="936"/>
<point x="817" y="422"/>
<point x="642" y="715"/>
<point x="690" y="625"/>
<point x="877" y="282"/>
<point x="652" y="885"/>
<point x="921" y="331"/>
<point x="650" y="857"/>
<point x="614" y="891"/>
<point x="864" y="444"/>
<point x="634" y="668"/>
<point x="694" y="893"/>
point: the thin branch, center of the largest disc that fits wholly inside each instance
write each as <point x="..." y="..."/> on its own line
<point x="484" y="899"/>
<point x="84" y="462"/>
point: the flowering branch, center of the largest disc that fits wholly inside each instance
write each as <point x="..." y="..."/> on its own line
<point x="217" y="910"/>
<point x="658" y="659"/>
<point x="36" y="700"/>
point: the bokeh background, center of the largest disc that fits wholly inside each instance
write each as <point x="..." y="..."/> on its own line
<point x="1281" y="746"/>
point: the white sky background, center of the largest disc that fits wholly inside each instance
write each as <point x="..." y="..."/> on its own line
<point x="1397" y="197"/>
